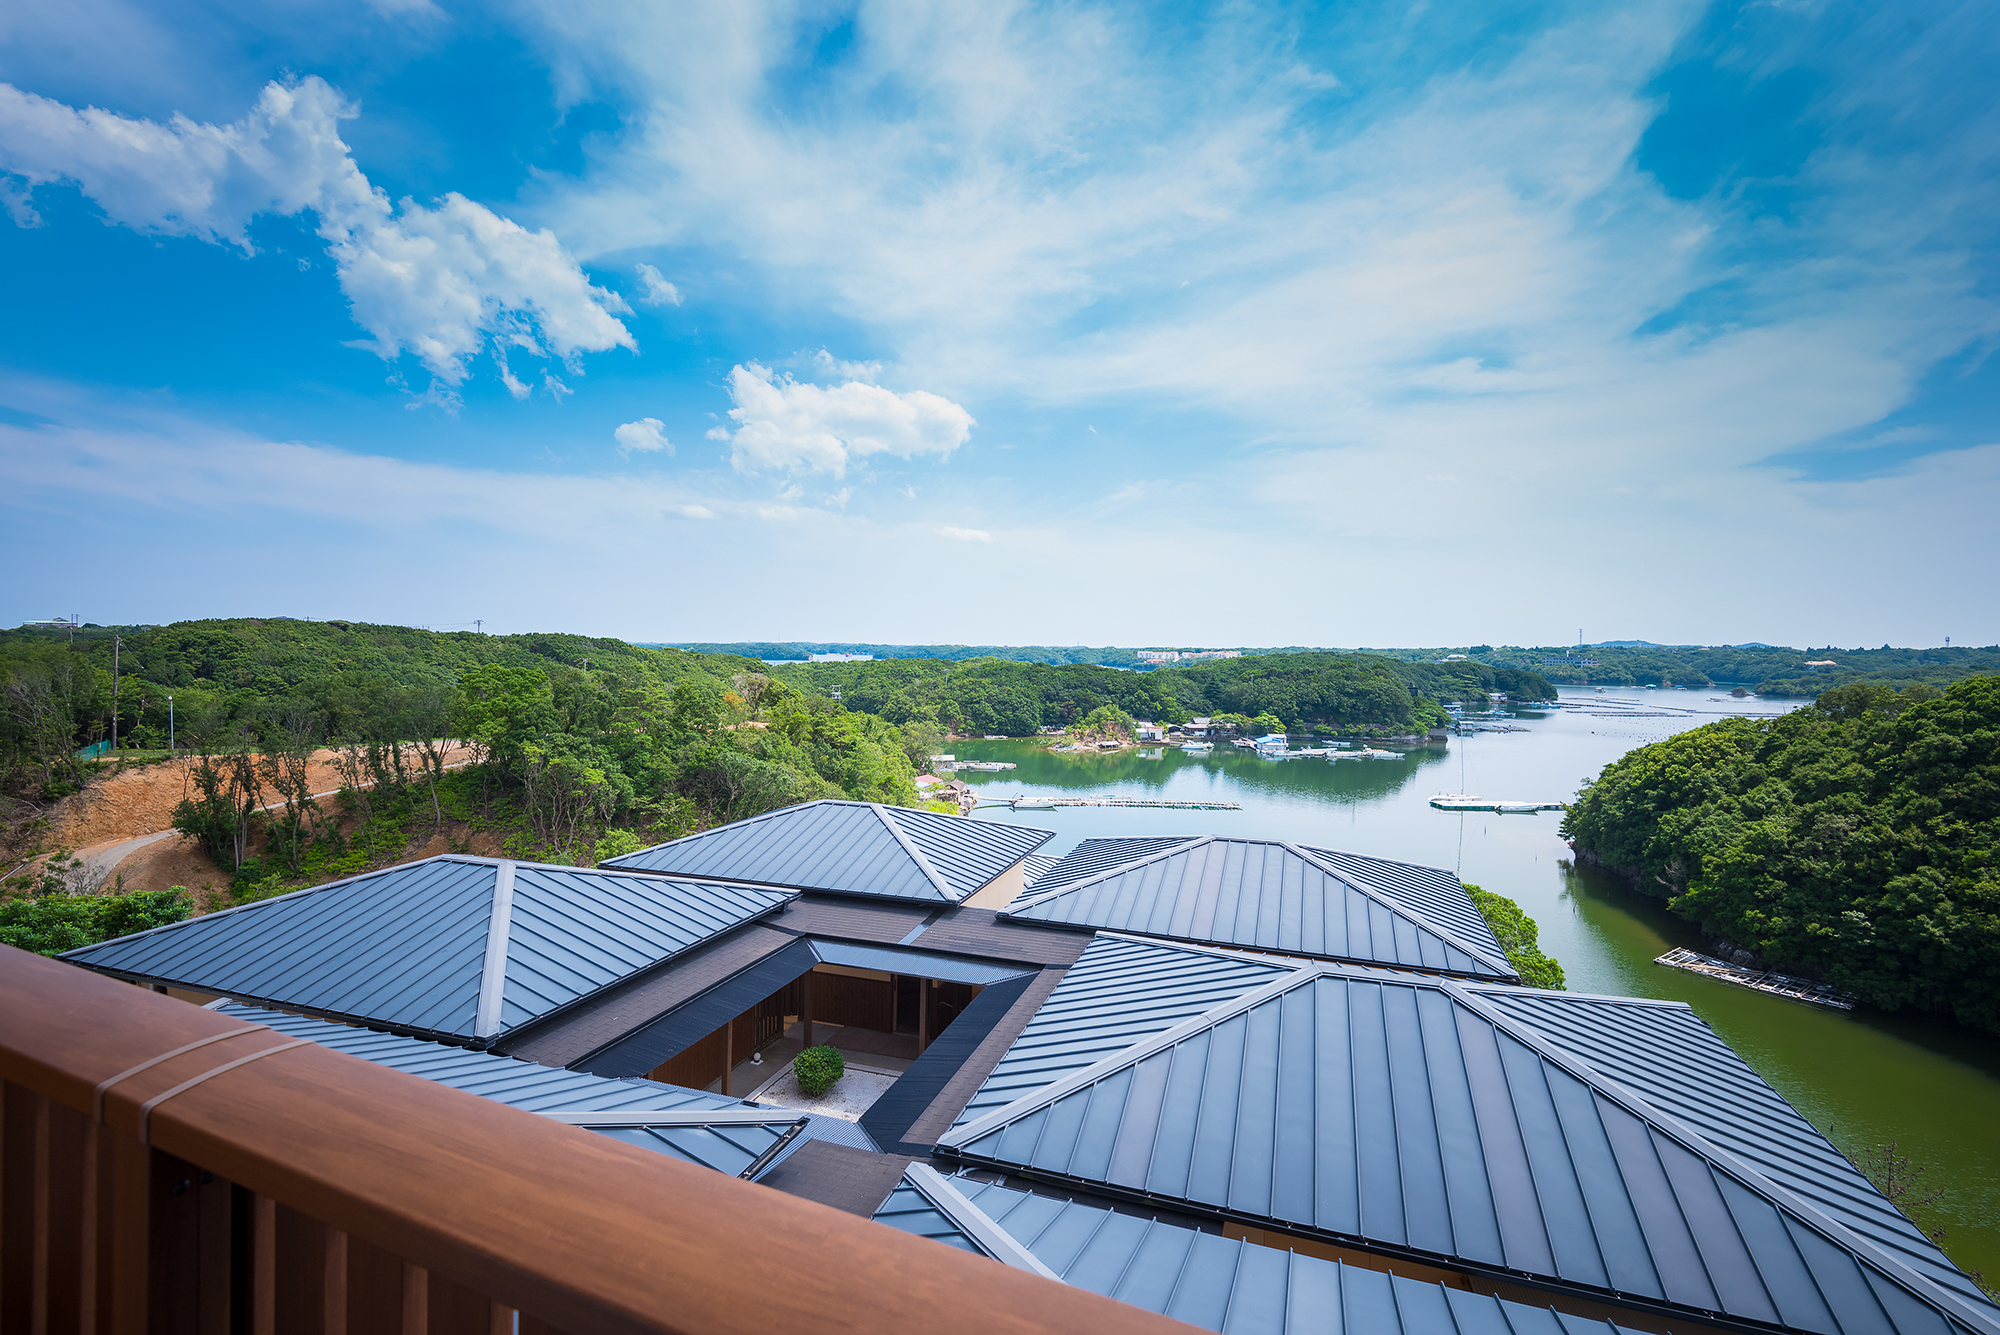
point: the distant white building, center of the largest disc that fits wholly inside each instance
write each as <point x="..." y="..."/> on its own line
<point x="1149" y="732"/>
<point x="1211" y="653"/>
<point x="1820" y="664"/>
<point x="1158" y="655"/>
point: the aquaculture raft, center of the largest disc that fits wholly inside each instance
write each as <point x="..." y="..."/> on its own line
<point x="1467" y="802"/>
<point x="1778" y="984"/>
<point x="1045" y="803"/>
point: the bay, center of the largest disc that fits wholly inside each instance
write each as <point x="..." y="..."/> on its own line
<point x="1863" y="1078"/>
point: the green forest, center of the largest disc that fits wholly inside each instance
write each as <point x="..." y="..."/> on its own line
<point x="1304" y="691"/>
<point x="1763" y="669"/>
<point x="1856" y="840"/>
<point x="579" y="738"/>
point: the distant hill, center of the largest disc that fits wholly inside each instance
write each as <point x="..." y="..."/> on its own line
<point x="1052" y="654"/>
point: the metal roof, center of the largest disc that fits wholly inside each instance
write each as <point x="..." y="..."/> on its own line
<point x="1267" y="895"/>
<point x="1092" y="856"/>
<point x="1650" y="1047"/>
<point x="455" y="947"/>
<point x="1432" y="891"/>
<point x="708" y="1129"/>
<point x="1034" y="865"/>
<point x="1410" y="1116"/>
<point x="1222" y="1284"/>
<point x="1118" y="993"/>
<point x="856" y="848"/>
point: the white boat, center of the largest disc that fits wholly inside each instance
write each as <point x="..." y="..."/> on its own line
<point x="1198" y="748"/>
<point x="1034" y="804"/>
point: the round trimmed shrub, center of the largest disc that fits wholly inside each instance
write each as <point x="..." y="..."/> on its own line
<point x="817" y="1068"/>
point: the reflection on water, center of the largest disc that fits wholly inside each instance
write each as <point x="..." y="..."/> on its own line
<point x="1861" y="1077"/>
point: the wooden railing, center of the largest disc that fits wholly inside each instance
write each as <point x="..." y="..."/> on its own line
<point x="167" y="1168"/>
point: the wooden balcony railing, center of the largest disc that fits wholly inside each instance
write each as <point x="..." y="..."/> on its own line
<point x="166" y="1168"/>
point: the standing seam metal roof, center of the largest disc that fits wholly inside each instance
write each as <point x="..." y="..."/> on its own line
<point x="1406" y="1114"/>
<point x="1622" y="1039"/>
<point x="1118" y="993"/>
<point x="1092" y="857"/>
<point x="1266" y="895"/>
<point x="1431" y="891"/>
<point x="858" y="848"/>
<point x="1219" y="1283"/>
<point x="412" y="947"/>
<point x="728" y="1147"/>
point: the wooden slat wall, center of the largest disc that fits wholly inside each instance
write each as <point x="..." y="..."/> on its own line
<point x="868" y="1003"/>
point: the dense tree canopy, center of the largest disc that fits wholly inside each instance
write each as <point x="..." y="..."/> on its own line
<point x="1302" y="690"/>
<point x="1856" y="840"/>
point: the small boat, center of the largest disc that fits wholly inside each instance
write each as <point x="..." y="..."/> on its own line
<point x="1034" y="804"/>
<point x="1198" y="748"/>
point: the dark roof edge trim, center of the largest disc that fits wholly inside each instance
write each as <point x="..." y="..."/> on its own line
<point x="657" y="966"/>
<point x="1695" y="1317"/>
<point x="916" y="854"/>
<point x="973" y="1222"/>
<point x="1415" y="915"/>
<point x="1922" y="1287"/>
<point x="746" y="1116"/>
<point x="1300" y="958"/>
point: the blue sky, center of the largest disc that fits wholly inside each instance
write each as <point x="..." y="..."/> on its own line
<point x="1370" y="324"/>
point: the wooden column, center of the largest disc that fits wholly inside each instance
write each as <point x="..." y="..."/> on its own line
<point x="729" y="1056"/>
<point x="806" y="1012"/>
<point x="923" y="1013"/>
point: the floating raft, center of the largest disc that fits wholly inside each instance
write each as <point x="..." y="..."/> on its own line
<point x="1761" y="980"/>
<point x="985" y="766"/>
<point x="1466" y="802"/>
<point x="1045" y="803"/>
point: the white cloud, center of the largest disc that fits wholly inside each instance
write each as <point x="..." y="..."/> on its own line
<point x="790" y="424"/>
<point x="831" y="367"/>
<point x="442" y="281"/>
<point x="659" y="292"/>
<point x="692" y="511"/>
<point x="645" y="436"/>
<point x="965" y="534"/>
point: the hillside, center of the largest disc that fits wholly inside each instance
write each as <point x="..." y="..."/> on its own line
<point x="1301" y="690"/>
<point x="578" y="740"/>
<point x="1856" y="840"/>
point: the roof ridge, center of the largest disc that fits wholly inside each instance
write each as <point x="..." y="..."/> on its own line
<point x="1398" y="907"/>
<point x="1186" y="845"/>
<point x="909" y="845"/>
<point x="986" y="1123"/>
<point x="493" y="974"/>
<point x="985" y="1232"/>
<point x="1809" y="1213"/>
<point x="1394" y="862"/>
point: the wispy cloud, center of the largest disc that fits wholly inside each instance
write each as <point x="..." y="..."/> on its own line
<point x="658" y="291"/>
<point x="965" y="534"/>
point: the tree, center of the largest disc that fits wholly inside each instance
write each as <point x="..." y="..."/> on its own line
<point x="291" y="739"/>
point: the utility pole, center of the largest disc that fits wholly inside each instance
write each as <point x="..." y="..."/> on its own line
<point x="479" y="627"/>
<point x="170" y="726"/>
<point x="116" y="644"/>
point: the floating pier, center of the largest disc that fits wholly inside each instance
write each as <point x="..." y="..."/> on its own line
<point x="985" y="766"/>
<point x="1506" y="806"/>
<point x="1760" y="980"/>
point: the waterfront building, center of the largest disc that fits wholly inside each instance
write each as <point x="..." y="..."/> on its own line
<point x="1251" y="1084"/>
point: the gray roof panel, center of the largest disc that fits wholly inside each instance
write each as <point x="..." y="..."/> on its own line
<point x="1269" y="896"/>
<point x="1093" y="857"/>
<point x="857" y="848"/>
<point x="1649" y="1048"/>
<point x="1120" y="992"/>
<point x="1406" y="1115"/>
<point x="408" y="947"/>
<point x="1222" y="1284"/>
<point x="1432" y="891"/>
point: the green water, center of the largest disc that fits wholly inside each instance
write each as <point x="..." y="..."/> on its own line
<point x="1863" y="1078"/>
